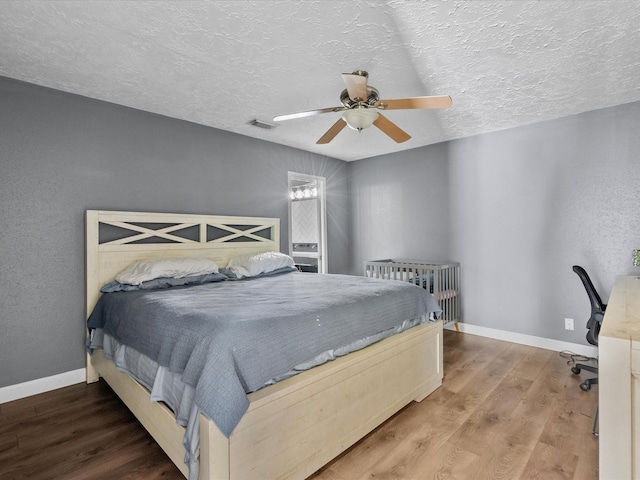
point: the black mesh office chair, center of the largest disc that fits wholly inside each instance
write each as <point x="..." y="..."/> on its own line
<point x="593" y="325"/>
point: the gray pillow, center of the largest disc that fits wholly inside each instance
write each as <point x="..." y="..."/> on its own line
<point x="164" y="282"/>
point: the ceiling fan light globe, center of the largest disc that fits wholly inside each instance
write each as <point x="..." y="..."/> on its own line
<point x="359" y="118"/>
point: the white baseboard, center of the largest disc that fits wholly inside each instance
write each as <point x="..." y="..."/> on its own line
<point x="530" y="340"/>
<point x="41" y="385"/>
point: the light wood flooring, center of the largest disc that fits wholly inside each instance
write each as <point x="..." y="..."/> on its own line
<point x="505" y="411"/>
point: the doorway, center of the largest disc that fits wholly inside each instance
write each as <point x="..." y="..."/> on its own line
<point x="307" y="222"/>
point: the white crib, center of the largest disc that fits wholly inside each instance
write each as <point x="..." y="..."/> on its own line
<point x="442" y="279"/>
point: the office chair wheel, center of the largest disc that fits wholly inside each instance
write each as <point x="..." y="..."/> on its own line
<point x="585" y="386"/>
<point x="575" y="370"/>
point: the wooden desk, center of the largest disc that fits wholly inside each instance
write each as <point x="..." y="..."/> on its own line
<point x="619" y="383"/>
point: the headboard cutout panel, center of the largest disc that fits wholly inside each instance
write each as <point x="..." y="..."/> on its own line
<point x="116" y="239"/>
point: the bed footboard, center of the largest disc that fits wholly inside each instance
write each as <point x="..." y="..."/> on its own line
<point x="295" y="427"/>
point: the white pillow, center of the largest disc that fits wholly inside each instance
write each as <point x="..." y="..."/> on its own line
<point x="252" y="265"/>
<point x="145" y="270"/>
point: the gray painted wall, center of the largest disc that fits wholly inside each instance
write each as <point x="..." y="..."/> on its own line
<point x="62" y="154"/>
<point x="520" y="207"/>
<point x="517" y="208"/>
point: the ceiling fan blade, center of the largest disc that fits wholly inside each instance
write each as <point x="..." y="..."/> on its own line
<point x="391" y="129"/>
<point x="441" y="101"/>
<point x="332" y="132"/>
<point x="310" y="113"/>
<point x="356" y="86"/>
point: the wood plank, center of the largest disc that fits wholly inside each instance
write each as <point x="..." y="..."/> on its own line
<point x="491" y="419"/>
<point x="94" y="436"/>
<point x="465" y="369"/>
<point x="448" y="461"/>
<point x="549" y="463"/>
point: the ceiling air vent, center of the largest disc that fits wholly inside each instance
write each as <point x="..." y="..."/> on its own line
<point x="262" y="124"/>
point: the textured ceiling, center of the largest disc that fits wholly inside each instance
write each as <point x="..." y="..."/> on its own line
<point x="225" y="63"/>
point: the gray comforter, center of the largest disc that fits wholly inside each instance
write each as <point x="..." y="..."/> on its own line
<point x="229" y="338"/>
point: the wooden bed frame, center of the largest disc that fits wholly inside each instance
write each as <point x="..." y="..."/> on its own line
<point x="294" y="427"/>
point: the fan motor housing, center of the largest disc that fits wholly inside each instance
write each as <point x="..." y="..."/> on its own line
<point x="372" y="97"/>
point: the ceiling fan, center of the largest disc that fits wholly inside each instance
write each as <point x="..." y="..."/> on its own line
<point x="360" y="104"/>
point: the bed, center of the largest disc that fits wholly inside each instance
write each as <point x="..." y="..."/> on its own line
<point x="290" y="428"/>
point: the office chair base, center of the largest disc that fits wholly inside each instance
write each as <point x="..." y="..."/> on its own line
<point x="586" y="385"/>
<point x="578" y="367"/>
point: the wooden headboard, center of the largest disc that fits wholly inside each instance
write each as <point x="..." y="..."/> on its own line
<point x="116" y="239"/>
